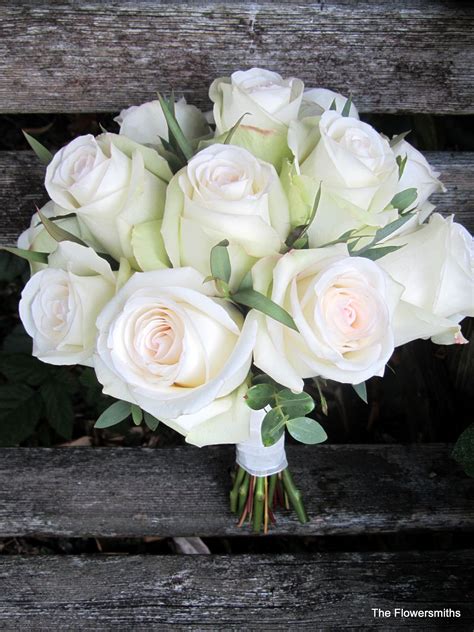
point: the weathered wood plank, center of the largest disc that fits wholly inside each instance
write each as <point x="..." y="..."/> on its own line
<point x="21" y="187"/>
<point x="184" y="491"/>
<point x="101" y="56"/>
<point x="325" y="591"/>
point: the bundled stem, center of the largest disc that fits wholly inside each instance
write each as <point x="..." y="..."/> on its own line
<point x="255" y="498"/>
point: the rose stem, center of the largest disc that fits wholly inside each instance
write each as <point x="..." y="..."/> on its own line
<point x="280" y="491"/>
<point x="295" y="496"/>
<point x="271" y="491"/>
<point x="258" y="503"/>
<point x="234" y="494"/>
<point x="250" y="497"/>
<point x="265" y="518"/>
<point x="243" y="491"/>
<point x="272" y="517"/>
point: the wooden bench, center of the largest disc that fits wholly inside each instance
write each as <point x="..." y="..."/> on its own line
<point x="395" y="57"/>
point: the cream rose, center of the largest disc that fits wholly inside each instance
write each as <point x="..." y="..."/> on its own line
<point x="343" y="308"/>
<point x="113" y="185"/>
<point x="224" y="193"/>
<point x="146" y="123"/>
<point x="168" y="346"/>
<point x="317" y="100"/>
<point x="270" y="100"/>
<point x="59" y="305"/>
<point x="435" y="266"/>
<point x="356" y="169"/>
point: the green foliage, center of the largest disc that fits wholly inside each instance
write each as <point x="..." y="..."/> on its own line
<point x="361" y="390"/>
<point x="306" y="430"/>
<point x="298" y="238"/>
<point x="401" y="162"/>
<point x="346" y="110"/>
<point x="404" y="199"/>
<point x="29" y="255"/>
<point x="273" y="426"/>
<point x="150" y="421"/>
<point x="256" y="300"/>
<point x="177" y="148"/>
<point x="40" y="150"/>
<point x="220" y="262"/>
<point x="260" y="395"/>
<point x="463" y="451"/>
<point x="58" y="233"/>
<point x="234" y="128"/>
<point x="114" y="414"/>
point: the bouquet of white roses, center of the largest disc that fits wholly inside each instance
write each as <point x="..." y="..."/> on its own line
<point x="206" y="270"/>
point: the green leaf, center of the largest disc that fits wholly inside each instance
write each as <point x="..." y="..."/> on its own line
<point x="234" y="128"/>
<point x="59" y="410"/>
<point x="397" y="139"/>
<point x="137" y="414"/>
<point x="259" y="396"/>
<point x="361" y="390"/>
<point x="404" y="199"/>
<point x="43" y="154"/>
<point x="175" y="130"/>
<point x="306" y="430"/>
<point x="58" y="233"/>
<point x="29" y="255"/>
<point x="347" y="106"/>
<point x="220" y="262"/>
<point x="386" y="231"/>
<point x="333" y="105"/>
<point x="114" y="414"/>
<point x="273" y="426"/>
<point x="258" y="301"/>
<point x="401" y="162"/>
<point x="294" y="404"/>
<point x="247" y="282"/>
<point x="20" y="411"/>
<point x="463" y="451"/>
<point x="323" y="400"/>
<point x="263" y="378"/>
<point x="151" y="422"/>
<point x="376" y="253"/>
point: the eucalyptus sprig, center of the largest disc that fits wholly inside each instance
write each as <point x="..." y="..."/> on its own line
<point x="177" y="150"/>
<point x="246" y="296"/>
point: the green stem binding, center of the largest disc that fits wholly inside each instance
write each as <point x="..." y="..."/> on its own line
<point x="254" y="498"/>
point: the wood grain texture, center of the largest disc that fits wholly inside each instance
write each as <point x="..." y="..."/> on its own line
<point x="122" y="492"/>
<point x="102" y="56"/>
<point x="21" y="187"/>
<point x="325" y="591"/>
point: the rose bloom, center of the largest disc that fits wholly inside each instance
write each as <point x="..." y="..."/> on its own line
<point x="343" y="307"/>
<point x="167" y="345"/>
<point x="357" y="172"/>
<point x="59" y="304"/>
<point x="224" y="193"/>
<point x="316" y="101"/>
<point x="271" y="101"/>
<point x="435" y="265"/>
<point x="146" y="123"/>
<point x="113" y="185"/>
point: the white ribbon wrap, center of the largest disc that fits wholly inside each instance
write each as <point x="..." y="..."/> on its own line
<point x="254" y="457"/>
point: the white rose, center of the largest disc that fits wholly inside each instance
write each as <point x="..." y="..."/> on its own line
<point x="113" y="185"/>
<point x="146" y="123"/>
<point x="270" y="100"/>
<point x="317" y="100"/>
<point x="343" y="309"/>
<point x="59" y="305"/>
<point x="224" y="193"/>
<point x="417" y="174"/>
<point x="435" y="266"/>
<point x="356" y="169"/>
<point x="169" y="347"/>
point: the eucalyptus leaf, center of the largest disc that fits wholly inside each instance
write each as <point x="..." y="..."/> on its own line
<point x="44" y="155"/>
<point x="29" y="255"/>
<point x="114" y="414"/>
<point x="273" y="426"/>
<point x="297" y="237"/>
<point x="306" y="430"/>
<point x="398" y="139"/>
<point x="404" y="199"/>
<point x="259" y="396"/>
<point x="137" y="414"/>
<point x="175" y="130"/>
<point x="220" y="261"/>
<point x="377" y="253"/>
<point x="150" y="421"/>
<point x="361" y="390"/>
<point x="234" y="128"/>
<point x="58" y="233"/>
<point x="247" y="282"/>
<point x="401" y="162"/>
<point x="294" y="404"/>
<point x="346" y="110"/>
<point x="256" y="300"/>
<point x="386" y="231"/>
<point x="333" y="105"/>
